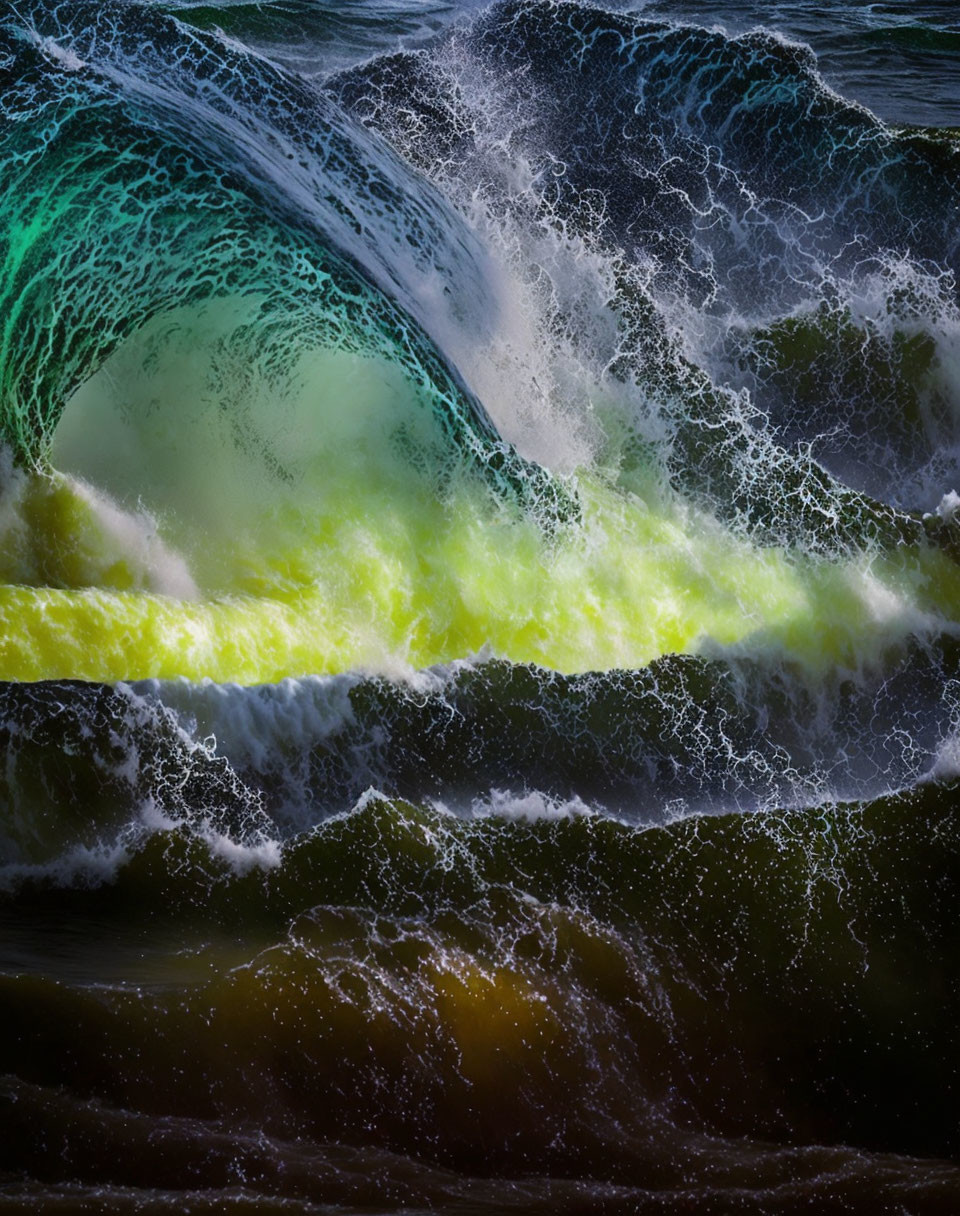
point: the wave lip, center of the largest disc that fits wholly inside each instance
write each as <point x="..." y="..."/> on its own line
<point x="157" y="141"/>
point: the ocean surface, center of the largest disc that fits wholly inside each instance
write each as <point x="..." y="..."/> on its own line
<point x="479" y="607"/>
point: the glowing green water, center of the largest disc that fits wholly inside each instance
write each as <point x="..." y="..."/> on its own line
<point x="306" y="530"/>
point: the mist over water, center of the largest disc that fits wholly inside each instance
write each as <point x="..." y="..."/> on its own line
<point x="478" y="607"/>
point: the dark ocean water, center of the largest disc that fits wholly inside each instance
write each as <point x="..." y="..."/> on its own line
<point x="899" y="60"/>
<point x="479" y="607"/>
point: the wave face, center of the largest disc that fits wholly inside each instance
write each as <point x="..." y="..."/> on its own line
<point x="479" y="657"/>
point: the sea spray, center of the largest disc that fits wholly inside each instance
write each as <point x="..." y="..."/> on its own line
<point x="478" y="582"/>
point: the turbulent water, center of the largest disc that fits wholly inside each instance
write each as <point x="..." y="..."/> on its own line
<point x="479" y="607"/>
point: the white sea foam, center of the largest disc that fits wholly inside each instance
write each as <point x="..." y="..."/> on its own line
<point x="60" y="529"/>
<point x="949" y="505"/>
<point x="946" y="763"/>
<point x="63" y="55"/>
<point x="244" y="857"/>
<point x="253" y="725"/>
<point x="529" y="807"/>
